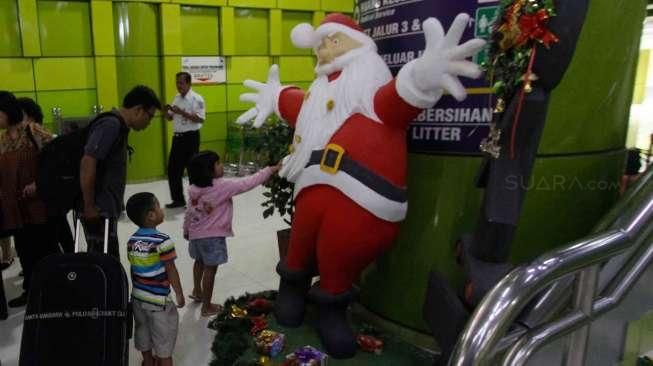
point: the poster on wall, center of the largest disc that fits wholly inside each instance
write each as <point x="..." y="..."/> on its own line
<point x="205" y="70"/>
<point x="395" y="25"/>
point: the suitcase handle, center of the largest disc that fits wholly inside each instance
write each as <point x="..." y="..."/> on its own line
<point x="78" y="224"/>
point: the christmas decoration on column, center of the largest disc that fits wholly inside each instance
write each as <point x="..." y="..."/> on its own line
<point x="530" y="50"/>
<point x="348" y="158"/>
<point x="523" y="25"/>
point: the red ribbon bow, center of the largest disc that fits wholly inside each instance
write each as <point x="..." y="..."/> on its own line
<point x="533" y="26"/>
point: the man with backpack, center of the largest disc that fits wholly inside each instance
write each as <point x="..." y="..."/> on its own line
<point x="103" y="167"/>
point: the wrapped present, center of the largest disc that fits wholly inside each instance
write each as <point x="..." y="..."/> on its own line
<point x="270" y="343"/>
<point x="369" y="343"/>
<point x="306" y="356"/>
<point x="237" y="312"/>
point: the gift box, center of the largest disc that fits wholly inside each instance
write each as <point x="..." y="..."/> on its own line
<point x="270" y="343"/>
<point x="306" y="356"/>
<point x="370" y="344"/>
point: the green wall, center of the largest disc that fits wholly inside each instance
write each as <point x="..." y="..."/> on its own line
<point x="81" y="53"/>
<point x="9" y="30"/>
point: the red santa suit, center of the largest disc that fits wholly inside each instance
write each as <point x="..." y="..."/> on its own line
<point x="351" y="195"/>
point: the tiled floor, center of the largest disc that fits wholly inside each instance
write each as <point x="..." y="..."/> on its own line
<point x="253" y="255"/>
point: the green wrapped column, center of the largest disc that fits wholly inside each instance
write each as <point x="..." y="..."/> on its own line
<point x="575" y="177"/>
<point x="137" y="45"/>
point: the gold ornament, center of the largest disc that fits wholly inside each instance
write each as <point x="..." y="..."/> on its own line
<point x="510" y="28"/>
<point x="490" y="144"/>
<point x="298" y="139"/>
<point x="330" y="104"/>
<point x="237" y="312"/>
<point x="266" y="336"/>
<point x="291" y="148"/>
<point x="501" y="106"/>
<point x="510" y="33"/>
<point x="264" y="361"/>
<point x="528" y="82"/>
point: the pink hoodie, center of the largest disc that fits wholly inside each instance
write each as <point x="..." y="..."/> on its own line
<point x="210" y="210"/>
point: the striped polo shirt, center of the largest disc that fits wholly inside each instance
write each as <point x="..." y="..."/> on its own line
<point x="147" y="251"/>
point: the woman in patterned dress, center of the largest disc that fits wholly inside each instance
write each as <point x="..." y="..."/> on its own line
<point x="23" y="213"/>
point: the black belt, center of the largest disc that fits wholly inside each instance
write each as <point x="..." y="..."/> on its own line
<point x="333" y="159"/>
<point x="181" y="134"/>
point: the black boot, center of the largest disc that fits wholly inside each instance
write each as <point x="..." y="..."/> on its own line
<point x="290" y="304"/>
<point x="332" y="325"/>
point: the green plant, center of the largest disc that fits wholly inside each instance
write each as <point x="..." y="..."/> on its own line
<point x="271" y="146"/>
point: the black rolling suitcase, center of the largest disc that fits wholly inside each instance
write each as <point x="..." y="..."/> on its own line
<point x="78" y="311"/>
<point x="3" y="301"/>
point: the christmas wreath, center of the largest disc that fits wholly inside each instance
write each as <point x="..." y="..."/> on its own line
<point x="242" y="317"/>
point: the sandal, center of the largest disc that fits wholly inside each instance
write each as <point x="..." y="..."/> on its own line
<point x="195" y="298"/>
<point x="217" y="310"/>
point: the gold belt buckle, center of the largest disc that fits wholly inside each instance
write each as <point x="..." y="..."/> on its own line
<point x="331" y="158"/>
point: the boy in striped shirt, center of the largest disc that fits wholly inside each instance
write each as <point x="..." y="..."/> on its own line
<point x="151" y="255"/>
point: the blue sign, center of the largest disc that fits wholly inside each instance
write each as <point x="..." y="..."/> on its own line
<point x="450" y="127"/>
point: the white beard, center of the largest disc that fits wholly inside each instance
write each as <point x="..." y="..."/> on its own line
<point x="352" y="92"/>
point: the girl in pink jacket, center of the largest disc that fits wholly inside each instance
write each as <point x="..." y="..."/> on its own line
<point x="208" y="220"/>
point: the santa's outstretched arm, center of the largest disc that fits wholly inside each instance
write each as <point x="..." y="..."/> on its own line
<point x="271" y="97"/>
<point x="422" y="82"/>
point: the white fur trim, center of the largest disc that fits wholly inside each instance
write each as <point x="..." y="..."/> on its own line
<point x="304" y="36"/>
<point x="409" y="91"/>
<point x="340" y="62"/>
<point x="373" y="202"/>
<point x="330" y="28"/>
<point x="276" y="100"/>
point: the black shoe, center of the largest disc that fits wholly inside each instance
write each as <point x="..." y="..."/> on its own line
<point x="176" y="205"/>
<point x="332" y="326"/>
<point x="19" y="301"/>
<point x="290" y="304"/>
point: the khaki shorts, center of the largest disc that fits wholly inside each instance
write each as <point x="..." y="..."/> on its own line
<point x="156" y="328"/>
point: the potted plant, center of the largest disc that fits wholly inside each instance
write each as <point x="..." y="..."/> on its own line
<point x="271" y="145"/>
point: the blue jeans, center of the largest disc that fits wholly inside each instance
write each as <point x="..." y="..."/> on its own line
<point x="209" y="251"/>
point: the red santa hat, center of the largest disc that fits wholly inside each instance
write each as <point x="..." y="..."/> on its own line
<point x="304" y="36"/>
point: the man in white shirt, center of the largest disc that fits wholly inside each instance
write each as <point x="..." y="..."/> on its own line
<point x="187" y="113"/>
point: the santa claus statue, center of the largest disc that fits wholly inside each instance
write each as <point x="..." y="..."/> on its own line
<point x="348" y="158"/>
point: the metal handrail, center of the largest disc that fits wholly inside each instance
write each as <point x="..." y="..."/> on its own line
<point x="554" y="299"/>
<point x="629" y="230"/>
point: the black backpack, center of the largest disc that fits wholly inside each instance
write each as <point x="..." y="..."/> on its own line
<point x="57" y="177"/>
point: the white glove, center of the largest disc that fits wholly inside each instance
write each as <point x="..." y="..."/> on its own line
<point x="443" y="60"/>
<point x="265" y="98"/>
